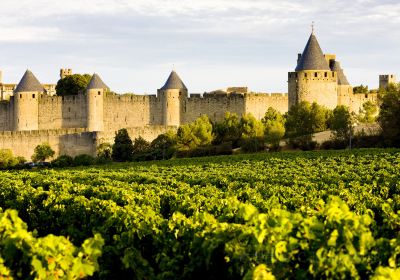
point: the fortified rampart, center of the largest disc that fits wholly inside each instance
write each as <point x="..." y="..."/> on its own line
<point x="30" y="114"/>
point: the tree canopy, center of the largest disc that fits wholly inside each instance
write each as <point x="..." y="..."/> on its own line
<point x="42" y="152"/>
<point x="389" y="116"/>
<point x="72" y="85"/>
<point x="122" y="149"/>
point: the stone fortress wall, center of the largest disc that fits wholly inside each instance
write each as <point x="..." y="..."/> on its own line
<point x="78" y="124"/>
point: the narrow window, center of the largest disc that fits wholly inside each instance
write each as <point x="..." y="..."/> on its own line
<point x="99" y="93"/>
<point x="366" y="96"/>
<point x="333" y="74"/>
<point x="33" y="95"/>
<point x="316" y="75"/>
<point x="69" y="109"/>
<point x="326" y="74"/>
<point x="20" y="96"/>
<point x="305" y="75"/>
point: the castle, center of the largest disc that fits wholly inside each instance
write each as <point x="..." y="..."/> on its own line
<point x="31" y="113"/>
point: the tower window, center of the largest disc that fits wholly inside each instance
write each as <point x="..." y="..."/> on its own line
<point x="315" y="74"/>
<point x="20" y="96"/>
<point x="366" y="95"/>
<point x="305" y="75"/>
<point x="326" y="74"/>
<point x="33" y="95"/>
<point x="99" y="93"/>
<point x="333" y="74"/>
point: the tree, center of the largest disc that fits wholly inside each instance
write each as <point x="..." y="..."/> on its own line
<point x="274" y="123"/>
<point x="122" y="149"/>
<point x="73" y="84"/>
<point x="252" y="134"/>
<point x="360" y="89"/>
<point x="193" y="135"/>
<point x="163" y="145"/>
<point x="140" y="145"/>
<point x="389" y="117"/>
<point x="42" y="152"/>
<point x="104" y="150"/>
<point x="273" y="115"/>
<point x="274" y="132"/>
<point x="368" y="112"/>
<point x="228" y="130"/>
<point x="305" y="119"/>
<point x="341" y="122"/>
<point x="250" y="127"/>
<point x="7" y="158"/>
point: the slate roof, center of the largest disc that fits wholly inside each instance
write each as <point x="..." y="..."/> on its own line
<point x="342" y="80"/>
<point x="174" y="82"/>
<point x="312" y="57"/>
<point x="29" y="83"/>
<point x="96" y="83"/>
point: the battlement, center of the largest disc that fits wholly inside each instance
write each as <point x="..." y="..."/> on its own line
<point x="42" y="132"/>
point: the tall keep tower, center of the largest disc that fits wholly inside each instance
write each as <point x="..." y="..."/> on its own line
<point x="313" y="80"/>
<point x="172" y="95"/>
<point x="95" y="92"/>
<point x="386" y="80"/>
<point x="26" y="102"/>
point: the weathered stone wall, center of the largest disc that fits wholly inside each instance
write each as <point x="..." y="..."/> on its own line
<point x="314" y="86"/>
<point x="56" y="112"/>
<point x="258" y="104"/>
<point x="358" y="99"/>
<point x="63" y="141"/>
<point x="212" y="105"/>
<point x="149" y="133"/>
<point x="122" y="111"/>
<point x="6" y="116"/>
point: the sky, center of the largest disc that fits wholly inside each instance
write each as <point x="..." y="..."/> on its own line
<point x="134" y="44"/>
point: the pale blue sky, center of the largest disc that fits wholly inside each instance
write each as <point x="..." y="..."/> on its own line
<point x="134" y="44"/>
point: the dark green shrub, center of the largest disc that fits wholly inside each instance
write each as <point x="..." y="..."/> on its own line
<point x="63" y="161"/>
<point x="122" y="149"/>
<point x="83" y="160"/>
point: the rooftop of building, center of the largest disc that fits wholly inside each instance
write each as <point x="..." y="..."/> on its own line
<point x="312" y="57"/>
<point x="174" y="82"/>
<point x="29" y="83"/>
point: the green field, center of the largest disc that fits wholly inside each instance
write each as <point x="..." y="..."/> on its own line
<point x="298" y="215"/>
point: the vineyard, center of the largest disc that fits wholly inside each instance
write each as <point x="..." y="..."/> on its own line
<point x="309" y="215"/>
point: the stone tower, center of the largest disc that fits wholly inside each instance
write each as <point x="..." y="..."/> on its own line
<point x="95" y="93"/>
<point x="313" y="79"/>
<point x="64" y="72"/>
<point x="386" y="80"/>
<point x="172" y="95"/>
<point x="344" y="89"/>
<point x="26" y="102"/>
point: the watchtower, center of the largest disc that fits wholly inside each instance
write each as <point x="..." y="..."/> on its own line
<point x="386" y="80"/>
<point x="26" y="102"/>
<point x="313" y="80"/>
<point x="95" y="93"/>
<point x="172" y="94"/>
<point x="64" y="72"/>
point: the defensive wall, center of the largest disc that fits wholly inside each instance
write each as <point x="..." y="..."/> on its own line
<point x="63" y="141"/>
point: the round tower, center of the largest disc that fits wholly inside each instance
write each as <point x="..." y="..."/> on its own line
<point x="95" y="92"/>
<point x="171" y="95"/>
<point x="313" y="79"/>
<point x="26" y="103"/>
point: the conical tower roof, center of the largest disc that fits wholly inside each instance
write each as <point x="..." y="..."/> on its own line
<point x="174" y="82"/>
<point x="96" y="83"/>
<point x="29" y="83"/>
<point x="312" y="57"/>
<point x="342" y="80"/>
